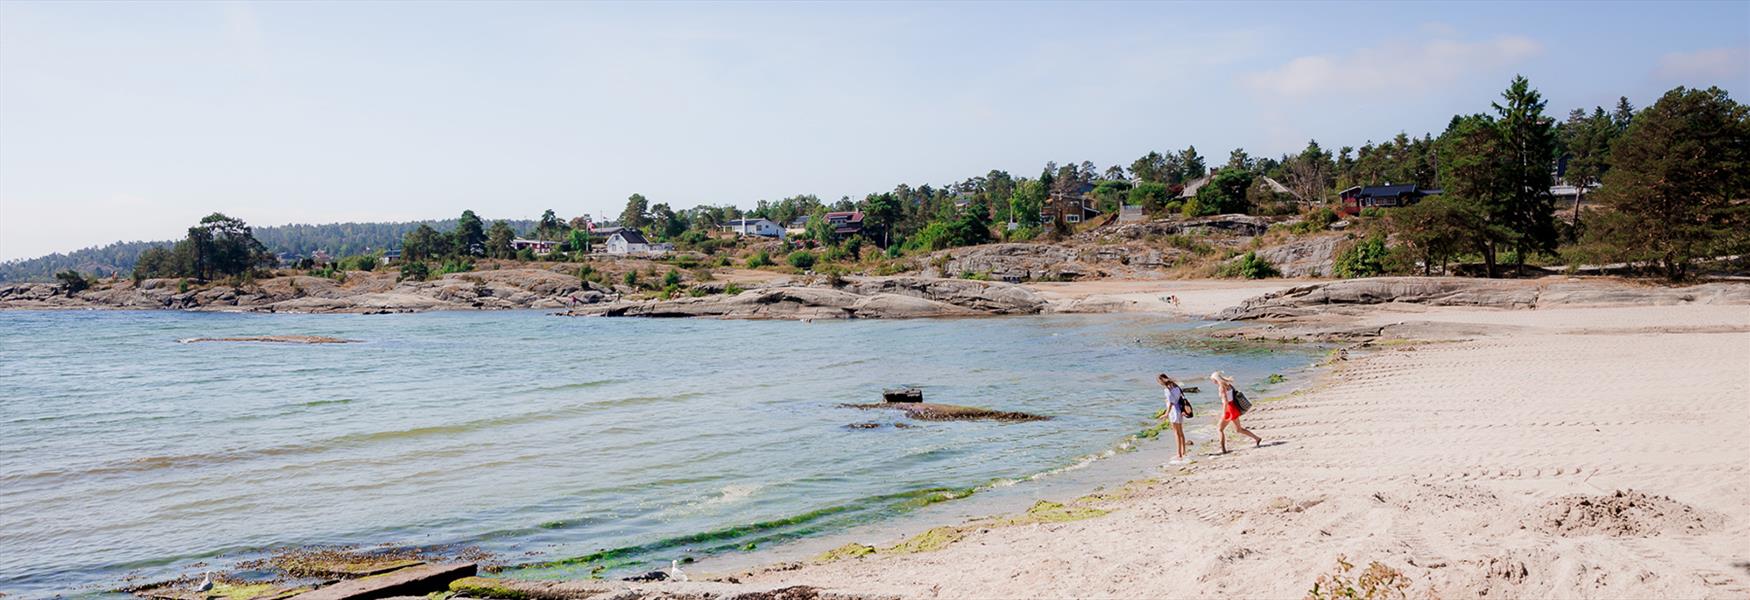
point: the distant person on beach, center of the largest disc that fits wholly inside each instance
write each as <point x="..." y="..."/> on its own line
<point x="1178" y="408"/>
<point x="1230" y="412"/>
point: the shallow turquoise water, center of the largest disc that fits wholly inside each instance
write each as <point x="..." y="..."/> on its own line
<point x="538" y="437"/>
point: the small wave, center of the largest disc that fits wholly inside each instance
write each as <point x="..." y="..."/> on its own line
<point x="580" y="385"/>
<point x="733" y="492"/>
<point x="316" y="403"/>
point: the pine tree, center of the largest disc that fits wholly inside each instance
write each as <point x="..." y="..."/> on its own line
<point x="1675" y="183"/>
<point x="1528" y="139"/>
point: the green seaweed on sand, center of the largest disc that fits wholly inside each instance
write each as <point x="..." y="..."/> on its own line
<point x="1275" y="378"/>
<point x="928" y="541"/>
<point x="1154" y="431"/>
<point x="485" y="587"/>
<point x="851" y="550"/>
<point x="337" y="561"/>
<point x="1043" y="511"/>
<point x="1046" y="511"/>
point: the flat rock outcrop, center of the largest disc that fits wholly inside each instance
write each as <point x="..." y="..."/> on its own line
<point x="983" y="296"/>
<point x="1309" y="257"/>
<point x="1234" y="224"/>
<point x="858" y="298"/>
<point x="359" y="292"/>
<point x="1052" y="262"/>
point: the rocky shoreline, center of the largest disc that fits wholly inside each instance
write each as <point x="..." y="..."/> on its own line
<point x="843" y="297"/>
<point x="852" y="298"/>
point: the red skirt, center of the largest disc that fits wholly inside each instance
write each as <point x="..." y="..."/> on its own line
<point x="1229" y="412"/>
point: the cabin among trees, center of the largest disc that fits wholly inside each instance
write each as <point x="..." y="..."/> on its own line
<point x="539" y="247"/>
<point x="845" y="223"/>
<point x="1358" y="198"/>
<point x="628" y="241"/>
<point x="755" y="227"/>
<point x="1072" y="205"/>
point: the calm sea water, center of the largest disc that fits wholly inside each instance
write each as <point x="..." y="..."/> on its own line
<point x="538" y="437"/>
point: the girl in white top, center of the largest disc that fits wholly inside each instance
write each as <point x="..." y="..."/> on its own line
<point x="1175" y="413"/>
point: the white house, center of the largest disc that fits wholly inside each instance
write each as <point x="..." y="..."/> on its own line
<point x="628" y="241"/>
<point x="759" y="227"/>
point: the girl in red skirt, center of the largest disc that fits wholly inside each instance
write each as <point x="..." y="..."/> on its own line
<point x="1229" y="412"/>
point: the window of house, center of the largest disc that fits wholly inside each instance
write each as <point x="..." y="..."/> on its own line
<point x="1072" y="218"/>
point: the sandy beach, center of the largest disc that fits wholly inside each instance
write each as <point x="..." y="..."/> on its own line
<point x="1571" y="452"/>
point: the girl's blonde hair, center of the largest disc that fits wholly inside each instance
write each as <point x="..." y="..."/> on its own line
<point x="1218" y="376"/>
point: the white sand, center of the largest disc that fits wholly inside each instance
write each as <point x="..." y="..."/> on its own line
<point x="1446" y="461"/>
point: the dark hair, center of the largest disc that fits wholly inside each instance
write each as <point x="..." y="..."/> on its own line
<point x="1165" y="380"/>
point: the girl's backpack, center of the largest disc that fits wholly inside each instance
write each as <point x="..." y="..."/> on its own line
<point x="1241" y="404"/>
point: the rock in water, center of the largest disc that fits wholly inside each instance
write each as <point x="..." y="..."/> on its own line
<point x="278" y="339"/>
<point x="909" y="394"/>
<point x="927" y="411"/>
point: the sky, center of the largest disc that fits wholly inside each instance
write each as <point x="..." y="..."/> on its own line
<point x="130" y="121"/>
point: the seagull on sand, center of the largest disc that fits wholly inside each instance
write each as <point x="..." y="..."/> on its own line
<point x="674" y="571"/>
<point x="206" y="584"/>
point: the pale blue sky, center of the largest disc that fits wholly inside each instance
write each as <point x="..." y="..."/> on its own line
<point x="132" y="120"/>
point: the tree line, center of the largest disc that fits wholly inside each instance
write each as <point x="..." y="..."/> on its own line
<point x="1671" y="179"/>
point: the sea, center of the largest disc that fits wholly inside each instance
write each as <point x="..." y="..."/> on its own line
<point x="565" y="446"/>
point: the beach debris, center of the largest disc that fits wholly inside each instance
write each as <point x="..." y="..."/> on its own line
<point x="904" y="394"/>
<point x="927" y="411"/>
<point x="276" y="339"/>
<point x="1376" y="581"/>
<point x="651" y="576"/>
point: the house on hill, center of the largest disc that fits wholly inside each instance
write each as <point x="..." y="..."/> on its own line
<point x="1074" y="205"/>
<point x="1361" y="197"/>
<point x="628" y="241"/>
<point x="540" y="247"/>
<point x="755" y="227"/>
<point x="845" y="223"/>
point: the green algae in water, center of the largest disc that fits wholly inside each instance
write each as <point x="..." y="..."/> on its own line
<point x="745" y="537"/>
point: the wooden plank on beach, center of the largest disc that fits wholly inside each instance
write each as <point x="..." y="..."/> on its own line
<point x="415" y="581"/>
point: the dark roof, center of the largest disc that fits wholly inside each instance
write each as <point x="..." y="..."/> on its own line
<point x="855" y="216"/>
<point x="632" y="236"/>
<point x="1390" y="190"/>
